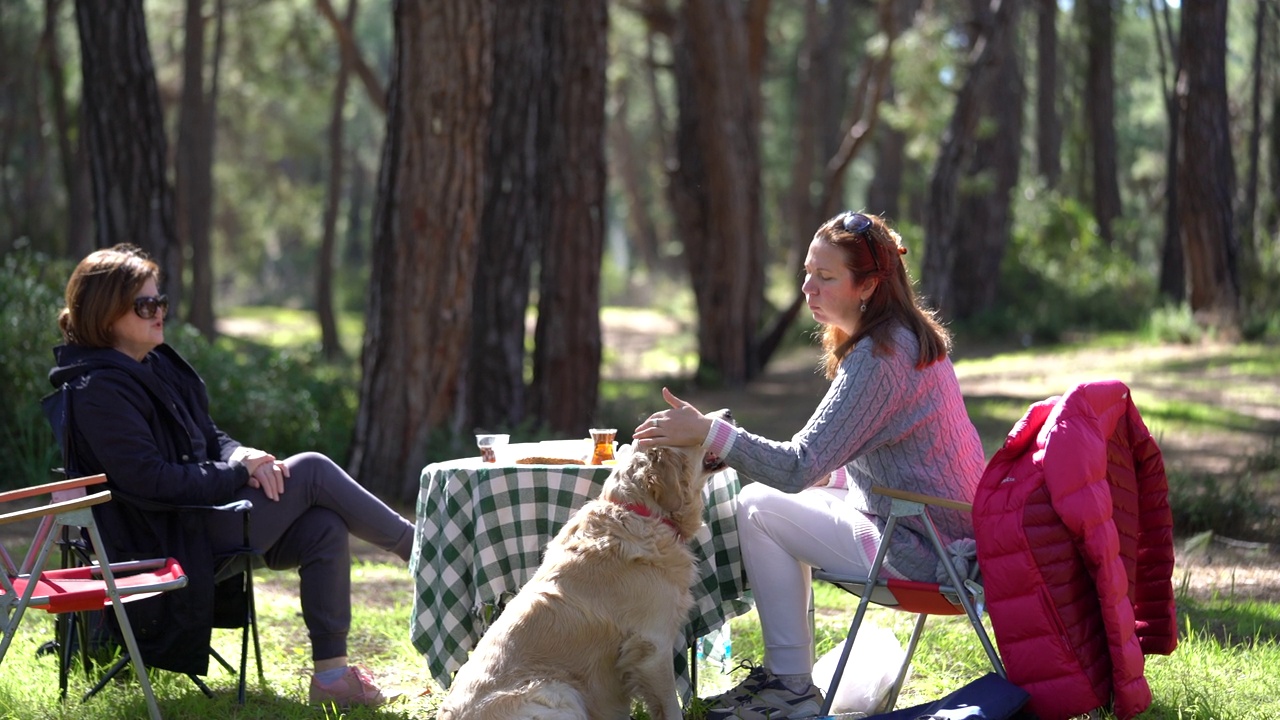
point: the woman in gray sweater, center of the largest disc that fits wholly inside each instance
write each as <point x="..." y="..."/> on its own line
<point x="893" y="417"/>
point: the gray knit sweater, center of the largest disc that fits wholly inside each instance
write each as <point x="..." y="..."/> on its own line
<point x="888" y="424"/>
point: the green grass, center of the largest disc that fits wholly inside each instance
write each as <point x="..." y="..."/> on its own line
<point x="283" y="327"/>
<point x="1227" y="665"/>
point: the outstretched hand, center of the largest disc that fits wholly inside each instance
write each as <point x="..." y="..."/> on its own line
<point x="682" y="425"/>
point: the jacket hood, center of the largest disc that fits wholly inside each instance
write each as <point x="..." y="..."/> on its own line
<point x="74" y="361"/>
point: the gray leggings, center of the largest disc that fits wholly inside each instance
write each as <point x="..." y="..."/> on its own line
<point x="308" y="529"/>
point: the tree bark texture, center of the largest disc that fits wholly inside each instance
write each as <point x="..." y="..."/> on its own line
<point x="715" y="184"/>
<point x="132" y="196"/>
<point x="986" y="194"/>
<point x="949" y="239"/>
<point x="1048" y="119"/>
<point x="1206" y="178"/>
<point x="567" y="347"/>
<point x="1100" y="113"/>
<point x="516" y="210"/>
<point x="425" y="226"/>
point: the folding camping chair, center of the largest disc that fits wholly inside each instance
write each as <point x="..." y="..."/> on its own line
<point x="89" y="587"/>
<point x="234" y="605"/>
<point x="233" y="582"/>
<point x="961" y="596"/>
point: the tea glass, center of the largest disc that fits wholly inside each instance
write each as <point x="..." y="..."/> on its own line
<point x="489" y="444"/>
<point x="602" y="445"/>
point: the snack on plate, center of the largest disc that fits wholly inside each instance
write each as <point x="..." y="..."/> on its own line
<point x="541" y="460"/>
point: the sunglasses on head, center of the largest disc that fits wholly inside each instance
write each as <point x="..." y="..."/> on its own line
<point x="859" y="224"/>
<point x="147" y="306"/>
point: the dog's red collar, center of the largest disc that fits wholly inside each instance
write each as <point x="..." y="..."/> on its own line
<point x="644" y="511"/>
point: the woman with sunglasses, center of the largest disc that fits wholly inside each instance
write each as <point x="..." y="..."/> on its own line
<point x="140" y="413"/>
<point x="893" y="416"/>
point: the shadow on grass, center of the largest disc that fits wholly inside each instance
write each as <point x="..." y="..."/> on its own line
<point x="1231" y="622"/>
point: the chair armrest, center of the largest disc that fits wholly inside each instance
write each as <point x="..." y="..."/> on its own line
<point x="237" y="506"/>
<point x="923" y="499"/>
<point x="56" y="508"/>
<point x="49" y="488"/>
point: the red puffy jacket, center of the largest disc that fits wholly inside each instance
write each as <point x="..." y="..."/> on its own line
<point x="1075" y="542"/>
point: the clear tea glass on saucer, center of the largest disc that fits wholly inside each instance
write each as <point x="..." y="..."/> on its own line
<point x="489" y="444"/>
<point x="602" y="444"/>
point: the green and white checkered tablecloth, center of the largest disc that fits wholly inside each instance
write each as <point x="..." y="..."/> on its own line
<point x="480" y="534"/>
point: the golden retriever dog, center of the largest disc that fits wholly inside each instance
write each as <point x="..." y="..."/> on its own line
<point x="596" y="627"/>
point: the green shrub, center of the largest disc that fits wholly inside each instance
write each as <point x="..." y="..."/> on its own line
<point x="31" y="288"/>
<point x="1176" y="324"/>
<point x="1058" y="276"/>
<point x="281" y="400"/>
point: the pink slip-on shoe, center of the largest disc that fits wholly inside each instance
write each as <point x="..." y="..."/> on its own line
<point x="355" y="687"/>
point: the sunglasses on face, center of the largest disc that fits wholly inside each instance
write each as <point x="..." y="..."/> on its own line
<point x="859" y="224"/>
<point x="147" y="306"/>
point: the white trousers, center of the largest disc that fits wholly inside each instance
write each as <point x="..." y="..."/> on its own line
<point x="783" y="536"/>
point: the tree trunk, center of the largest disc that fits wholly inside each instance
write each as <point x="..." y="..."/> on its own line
<point x="79" y="239"/>
<point x="991" y="176"/>
<point x="426" y="222"/>
<point x="1248" y="209"/>
<point x="628" y="168"/>
<point x="1271" y="218"/>
<point x="191" y="133"/>
<point x="194" y="166"/>
<point x="798" y="210"/>
<point x="567" y="348"/>
<point x="1048" y="120"/>
<point x="715" y="184"/>
<point x="947" y="235"/>
<point x="517" y="177"/>
<point x="1100" y="89"/>
<point x="884" y="196"/>
<point x="330" y="341"/>
<point x="132" y="197"/>
<point x="1206" y="179"/>
<point x="1173" y="279"/>
<point x="864" y="119"/>
<point x="351" y="53"/>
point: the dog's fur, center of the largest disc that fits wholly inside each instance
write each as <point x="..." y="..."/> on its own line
<point x="597" y="625"/>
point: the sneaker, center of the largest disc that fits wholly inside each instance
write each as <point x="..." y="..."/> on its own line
<point x="355" y="687"/>
<point x="757" y="676"/>
<point x="771" y="700"/>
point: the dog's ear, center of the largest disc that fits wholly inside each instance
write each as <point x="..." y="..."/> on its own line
<point x="666" y="477"/>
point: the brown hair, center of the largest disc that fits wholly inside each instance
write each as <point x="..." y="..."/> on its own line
<point x="877" y="252"/>
<point x="100" y="290"/>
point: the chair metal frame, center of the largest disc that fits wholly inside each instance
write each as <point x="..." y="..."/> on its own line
<point x="240" y="562"/>
<point x="76" y="589"/>
<point x="959" y="597"/>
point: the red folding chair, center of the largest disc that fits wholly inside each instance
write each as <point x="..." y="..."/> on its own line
<point x="961" y="596"/>
<point x="90" y="587"/>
